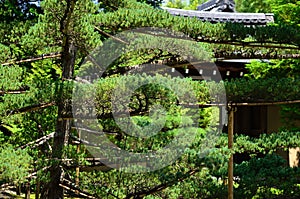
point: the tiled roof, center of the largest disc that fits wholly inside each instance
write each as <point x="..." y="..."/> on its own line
<point x="234" y="17"/>
<point x="218" y="5"/>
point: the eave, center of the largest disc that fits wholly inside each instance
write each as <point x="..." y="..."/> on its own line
<point x="223" y="17"/>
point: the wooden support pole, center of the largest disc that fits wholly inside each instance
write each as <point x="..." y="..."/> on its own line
<point x="221" y="121"/>
<point x="27" y="193"/>
<point x="77" y="168"/>
<point x="38" y="186"/>
<point x="230" y="145"/>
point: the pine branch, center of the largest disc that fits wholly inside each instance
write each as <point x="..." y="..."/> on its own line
<point x="241" y="55"/>
<point x="265" y="44"/>
<point x="77" y="191"/>
<point x="35" y="173"/>
<point x="31" y="108"/>
<point x="39" y="141"/>
<point x="12" y="92"/>
<point x="67" y="184"/>
<point x="111" y="36"/>
<point x="6" y="185"/>
<point x="242" y="104"/>
<point x="248" y="44"/>
<point x="31" y="59"/>
<point x="93" y="131"/>
<point x="81" y="141"/>
<point x="162" y="186"/>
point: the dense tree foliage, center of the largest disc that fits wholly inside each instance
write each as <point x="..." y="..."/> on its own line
<point x="36" y="98"/>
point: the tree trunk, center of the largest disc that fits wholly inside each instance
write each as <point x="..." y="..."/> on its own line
<point x="63" y="125"/>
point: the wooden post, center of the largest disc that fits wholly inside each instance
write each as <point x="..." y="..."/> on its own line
<point x="77" y="167"/>
<point x="230" y="145"/>
<point x="38" y="185"/>
<point x="221" y="119"/>
<point x="27" y="194"/>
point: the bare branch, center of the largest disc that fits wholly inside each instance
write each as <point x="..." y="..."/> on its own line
<point x="12" y="92"/>
<point x="111" y="36"/>
<point x="161" y="187"/>
<point x="39" y="141"/>
<point x="35" y="173"/>
<point x="31" y="59"/>
<point x="77" y="191"/>
<point x="31" y="108"/>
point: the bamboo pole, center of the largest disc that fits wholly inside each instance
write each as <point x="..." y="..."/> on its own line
<point x="77" y="168"/>
<point x="230" y="145"/>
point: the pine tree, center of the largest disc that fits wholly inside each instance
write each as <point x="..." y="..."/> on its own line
<point x="71" y="29"/>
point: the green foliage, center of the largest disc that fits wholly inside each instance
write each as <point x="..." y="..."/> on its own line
<point x="187" y="5"/>
<point x="176" y="4"/>
<point x="258" y="90"/>
<point x="264" y="144"/>
<point x="155" y="106"/>
<point x="237" y="90"/>
<point x="285" y="11"/>
<point x="279" y="69"/>
<point x="258" y="69"/>
<point x="154" y="3"/>
<point x="290" y="116"/>
<point x="34" y="32"/>
<point x="254" y="6"/>
<point x="17" y="17"/>
<point x="11" y="78"/>
<point x="124" y="184"/>
<point x="81" y="27"/>
<point x="15" y="164"/>
<point x="267" y="177"/>
<point x="18" y="10"/>
<point x="124" y="18"/>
